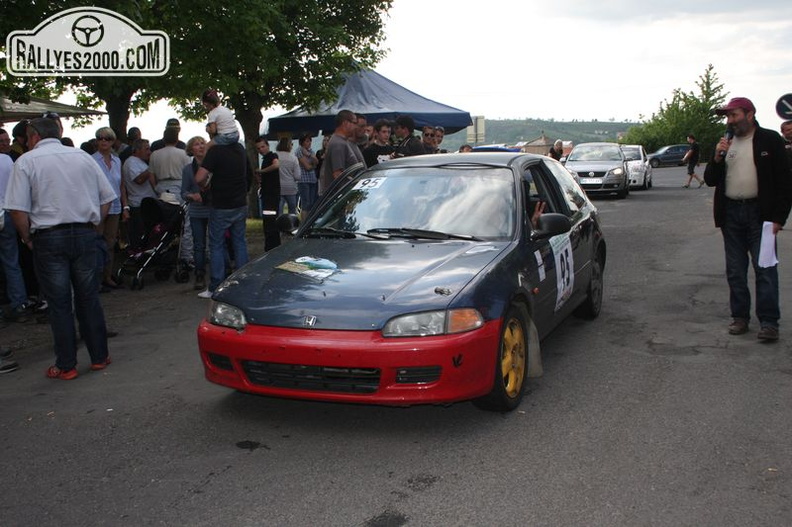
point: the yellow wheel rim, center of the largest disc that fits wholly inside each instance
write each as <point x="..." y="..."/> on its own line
<point x="513" y="358"/>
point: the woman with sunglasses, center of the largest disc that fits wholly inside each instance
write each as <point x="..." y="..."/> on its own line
<point x="110" y="164"/>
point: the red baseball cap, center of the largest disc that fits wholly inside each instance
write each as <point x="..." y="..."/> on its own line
<point x="737" y="102"/>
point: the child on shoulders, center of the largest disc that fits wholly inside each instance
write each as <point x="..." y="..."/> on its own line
<point x="221" y="120"/>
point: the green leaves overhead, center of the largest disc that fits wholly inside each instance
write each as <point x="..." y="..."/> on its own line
<point x="256" y="52"/>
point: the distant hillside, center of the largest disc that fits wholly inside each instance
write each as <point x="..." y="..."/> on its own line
<point x="512" y="131"/>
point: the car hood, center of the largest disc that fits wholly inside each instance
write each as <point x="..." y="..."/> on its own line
<point x="353" y="284"/>
<point x="592" y="166"/>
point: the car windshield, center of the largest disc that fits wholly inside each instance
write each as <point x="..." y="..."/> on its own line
<point x="471" y="202"/>
<point x="595" y="153"/>
<point x="631" y="153"/>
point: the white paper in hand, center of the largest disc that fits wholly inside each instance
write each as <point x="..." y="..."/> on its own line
<point x="767" y="249"/>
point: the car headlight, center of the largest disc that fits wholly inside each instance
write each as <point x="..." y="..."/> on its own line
<point x="616" y="171"/>
<point x="431" y="323"/>
<point x="227" y="315"/>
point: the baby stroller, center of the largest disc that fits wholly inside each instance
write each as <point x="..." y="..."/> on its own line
<point x="159" y="248"/>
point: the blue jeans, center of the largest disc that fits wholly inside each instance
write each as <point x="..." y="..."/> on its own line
<point x="9" y="258"/>
<point x="291" y="201"/>
<point x="199" y="226"/>
<point x="220" y="220"/>
<point x="65" y="259"/>
<point x="226" y="139"/>
<point x="309" y="193"/>
<point x="742" y="235"/>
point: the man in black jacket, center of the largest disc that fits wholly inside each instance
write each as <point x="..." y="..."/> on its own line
<point x="231" y="176"/>
<point x="409" y="144"/>
<point x="753" y="196"/>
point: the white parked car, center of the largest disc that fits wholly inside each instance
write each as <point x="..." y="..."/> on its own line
<point x="638" y="166"/>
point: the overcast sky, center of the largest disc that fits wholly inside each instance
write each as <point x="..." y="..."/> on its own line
<point x="583" y="59"/>
<point x="574" y="59"/>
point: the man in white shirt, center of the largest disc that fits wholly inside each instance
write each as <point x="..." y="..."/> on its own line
<point x="9" y="253"/>
<point x="57" y="196"/>
<point x="167" y="164"/>
<point x="139" y="183"/>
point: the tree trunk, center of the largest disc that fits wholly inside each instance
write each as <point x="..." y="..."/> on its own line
<point x="247" y="110"/>
<point x="117" y="106"/>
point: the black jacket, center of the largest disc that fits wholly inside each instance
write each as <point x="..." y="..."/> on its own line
<point x="772" y="170"/>
<point x="410" y="146"/>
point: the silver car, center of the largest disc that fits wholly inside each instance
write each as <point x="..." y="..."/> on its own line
<point x="601" y="168"/>
<point x="638" y="167"/>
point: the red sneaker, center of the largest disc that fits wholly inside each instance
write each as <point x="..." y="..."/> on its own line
<point x="101" y="365"/>
<point x="53" y="372"/>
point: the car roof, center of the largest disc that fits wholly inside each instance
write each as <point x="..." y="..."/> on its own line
<point x="666" y="147"/>
<point x="504" y="159"/>
<point x="599" y="143"/>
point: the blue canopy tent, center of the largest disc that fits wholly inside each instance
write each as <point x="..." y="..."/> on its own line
<point x="369" y="93"/>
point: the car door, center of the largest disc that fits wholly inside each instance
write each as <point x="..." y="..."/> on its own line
<point x="536" y="258"/>
<point x="563" y="256"/>
<point x="579" y="210"/>
<point x="679" y="153"/>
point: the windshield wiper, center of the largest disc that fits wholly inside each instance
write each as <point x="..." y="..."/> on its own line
<point x="330" y="232"/>
<point x="333" y="232"/>
<point x="421" y="233"/>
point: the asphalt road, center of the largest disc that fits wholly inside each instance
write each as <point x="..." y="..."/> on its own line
<point x="650" y="415"/>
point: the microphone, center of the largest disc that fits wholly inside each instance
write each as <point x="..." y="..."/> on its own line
<point x="728" y="135"/>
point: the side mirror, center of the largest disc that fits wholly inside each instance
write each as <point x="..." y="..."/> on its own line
<point x="288" y="223"/>
<point x="551" y="224"/>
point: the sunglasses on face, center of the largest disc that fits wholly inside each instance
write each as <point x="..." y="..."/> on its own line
<point x="105" y="138"/>
<point x="429" y="135"/>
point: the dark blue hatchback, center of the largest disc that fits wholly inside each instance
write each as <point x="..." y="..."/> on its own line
<point x="428" y="279"/>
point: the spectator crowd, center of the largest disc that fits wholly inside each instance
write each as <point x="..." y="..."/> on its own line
<point x="92" y="198"/>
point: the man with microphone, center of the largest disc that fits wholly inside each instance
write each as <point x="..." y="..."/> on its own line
<point x="750" y="173"/>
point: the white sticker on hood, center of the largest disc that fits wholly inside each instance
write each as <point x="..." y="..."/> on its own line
<point x="315" y="268"/>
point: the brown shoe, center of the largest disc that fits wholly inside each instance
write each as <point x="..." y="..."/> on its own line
<point x="768" y="334"/>
<point x="738" y="326"/>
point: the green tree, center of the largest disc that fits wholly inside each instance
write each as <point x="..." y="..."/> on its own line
<point x="685" y="113"/>
<point x="258" y="53"/>
<point x="276" y="53"/>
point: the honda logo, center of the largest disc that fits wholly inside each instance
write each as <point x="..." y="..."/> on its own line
<point x="309" y="321"/>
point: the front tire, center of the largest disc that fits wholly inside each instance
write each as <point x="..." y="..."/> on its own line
<point x="511" y="365"/>
<point x="655" y="163"/>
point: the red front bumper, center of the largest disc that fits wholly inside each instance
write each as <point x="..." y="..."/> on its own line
<point x="351" y="366"/>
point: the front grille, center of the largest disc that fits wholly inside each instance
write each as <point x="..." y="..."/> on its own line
<point x="592" y="174"/>
<point x="312" y="378"/>
<point x="418" y="375"/>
